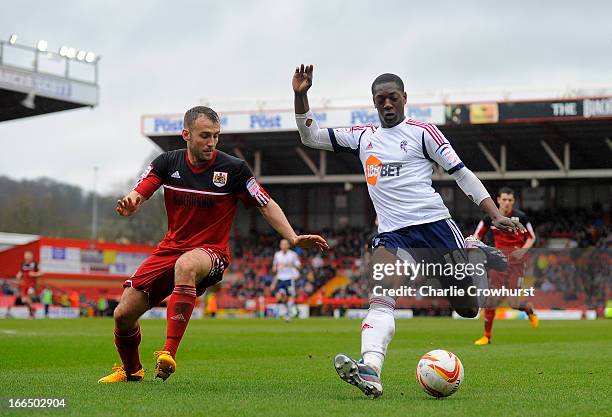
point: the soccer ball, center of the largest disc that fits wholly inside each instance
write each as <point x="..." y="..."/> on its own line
<point x="439" y="373"/>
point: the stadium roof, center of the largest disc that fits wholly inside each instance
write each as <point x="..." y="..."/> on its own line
<point x="8" y="240"/>
<point x="564" y="138"/>
<point x="35" y="82"/>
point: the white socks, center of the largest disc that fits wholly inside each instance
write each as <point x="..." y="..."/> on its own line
<point x="290" y="309"/>
<point x="377" y="330"/>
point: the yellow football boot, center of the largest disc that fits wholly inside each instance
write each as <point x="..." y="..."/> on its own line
<point x="119" y="375"/>
<point x="165" y="365"/>
<point x="534" y="321"/>
<point x="484" y="340"/>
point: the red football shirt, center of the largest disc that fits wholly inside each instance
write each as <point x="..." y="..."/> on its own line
<point x="503" y="239"/>
<point x="200" y="200"/>
<point x="28" y="281"/>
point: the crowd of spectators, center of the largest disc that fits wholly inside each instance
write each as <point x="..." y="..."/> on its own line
<point x="572" y="271"/>
<point x="348" y="242"/>
<point x="575" y="273"/>
<point x="58" y="297"/>
<point x="253" y="284"/>
<point x="581" y="228"/>
<point x="253" y="262"/>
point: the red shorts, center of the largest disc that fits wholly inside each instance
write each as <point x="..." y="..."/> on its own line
<point x="155" y="276"/>
<point x="511" y="278"/>
<point x="27" y="291"/>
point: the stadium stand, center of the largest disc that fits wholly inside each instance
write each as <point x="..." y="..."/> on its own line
<point x="29" y="86"/>
<point x="557" y="161"/>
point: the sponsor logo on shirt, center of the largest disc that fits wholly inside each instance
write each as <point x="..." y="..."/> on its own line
<point x="375" y="169"/>
<point x="220" y="178"/>
<point x="193" y="200"/>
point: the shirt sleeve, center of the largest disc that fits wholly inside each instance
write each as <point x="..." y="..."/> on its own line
<point x="248" y="189"/>
<point x="482" y="228"/>
<point x="336" y="140"/>
<point x="436" y="148"/>
<point x="530" y="233"/>
<point x="153" y="176"/>
<point x="348" y="139"/>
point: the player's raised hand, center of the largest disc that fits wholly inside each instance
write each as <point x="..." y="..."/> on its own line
<point x="508" y="225"/>
<point x="310" y="241"/>
<point x="129" y="204"/>
<point x="302" y="78"/>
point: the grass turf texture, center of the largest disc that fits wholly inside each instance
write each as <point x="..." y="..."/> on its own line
<point x="272" y="368"/>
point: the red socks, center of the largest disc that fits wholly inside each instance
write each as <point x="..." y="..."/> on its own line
<point x="488" y="321"/>
<point x="127" y="342"/>
<point x="180" y="307"/>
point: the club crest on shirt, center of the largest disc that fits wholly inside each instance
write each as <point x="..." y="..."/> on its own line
<point x="404" y="145"/>
<point x="220" y="178"/>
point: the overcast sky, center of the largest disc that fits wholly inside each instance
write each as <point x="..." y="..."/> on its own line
<point x="165" y="56"/>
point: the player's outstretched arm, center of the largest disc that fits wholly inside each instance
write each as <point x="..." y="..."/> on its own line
<point x="476" y="191"/>
<point x="276" y="218"/>
<point x="310" y="133"/>
<point x="129" y="204"/>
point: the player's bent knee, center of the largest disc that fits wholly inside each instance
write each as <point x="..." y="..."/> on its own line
<point x="185" y="271"/>
<point x="190" y="266"/>
<point x="123" y="319"/>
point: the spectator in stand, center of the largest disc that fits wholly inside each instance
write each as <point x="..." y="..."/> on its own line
<point x="74" y="299"/>
<point x="102" y="305"/>
<point x="64" y="300"/>
<point x="46" y="298"/>
<point x="7" y="289"/>
<point x="547" y="286"/>
<point x="211" y="305"/>
<point x="317" y="261"/>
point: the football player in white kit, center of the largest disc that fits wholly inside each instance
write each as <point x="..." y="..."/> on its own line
<point x="398" y="159"/>
<point x="285" y="268"/>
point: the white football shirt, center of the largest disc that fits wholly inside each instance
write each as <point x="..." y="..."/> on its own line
<point x="287" y="265"/>
<point x="398" y="164"/>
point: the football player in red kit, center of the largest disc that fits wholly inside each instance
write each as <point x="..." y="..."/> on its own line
<point x="26" y="278"/>
<point x="202" y="187"/>
<point x="515" y="245"/>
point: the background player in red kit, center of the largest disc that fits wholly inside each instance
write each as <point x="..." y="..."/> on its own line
<point x="26" y="278"/>
<point x="515" y="246"/>
<point x="202" y="187"/>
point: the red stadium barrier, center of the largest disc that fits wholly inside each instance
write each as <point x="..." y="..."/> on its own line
<point x="95" y="276"/>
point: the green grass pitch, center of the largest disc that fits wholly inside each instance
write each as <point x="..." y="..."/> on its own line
<point x="273" y="368"/>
